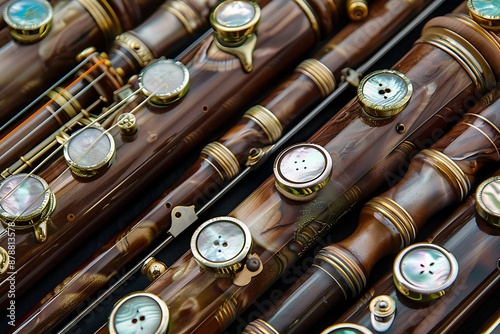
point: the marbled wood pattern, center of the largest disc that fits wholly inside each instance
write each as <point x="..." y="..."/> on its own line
<point x="50" y="116"/>
<point x="27" y="70"/>
<point x="421" y="193"/>
<point x="476" y="246"/>
<point x="164" y="34"/>
<point x="165" y="135"/>
<point x="282" y="229"/>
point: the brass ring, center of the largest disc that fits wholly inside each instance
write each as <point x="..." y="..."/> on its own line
<point x="450" y="170"/>
<point x="224" y="157"/>
<point x="185" y="14"/>
<point x="310" y="15"/>
<point x="267" y="121"/>
<point x="466" y="54"/>
<point x="319" y="74"/>
<point x="104" y="16"/>
<point x="135" y="47"/>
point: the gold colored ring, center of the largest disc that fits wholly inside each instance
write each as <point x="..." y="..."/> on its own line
<point x="4" y="260"/>
<point x="224" y="157"/>
<point x="186" y="15"/>
<point x="319" y="74"/>
<point x="104" y="16"/>
<point x="136" y="48"/>
<point x="398" y="216"/>
<point x="310" y="15"/>
<point x="450" y="170"/>
<point x="466" y="54"/>
<point x="487" y="138"/>
<point x="267" y="121"/>
<point x="62" y="103"/>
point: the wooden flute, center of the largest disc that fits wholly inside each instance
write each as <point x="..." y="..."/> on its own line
<point x="471" y="235"/>
<point x="204" y="295"/>
<point x="88" y="195"/>
<point x="29" y="67"/>
<point x="93" y="88"/>
<point x="256" y="130"/>
<point x="437" y="177"/>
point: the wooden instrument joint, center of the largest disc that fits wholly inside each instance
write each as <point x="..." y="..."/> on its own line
<point x="267" y="121"/>
<point x="449" y="170"/>
<point x="224" y="158"/>
<point x="321" y="75"/>
<point x="397" y="215"/>
<point x="186" y="15"/>
<point x="105" y="18"/>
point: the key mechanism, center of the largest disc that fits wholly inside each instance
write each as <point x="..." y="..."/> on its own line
<point x="164" y="81"/>
<point x="221" y="244"/>
<point x="235" y="22"/>
<point x="29" y="20"/>
<point x="384" y="93"/>
<point x="301" y="170"/>
<point x="488" y="201"/>
<point x="486" y="13"/>
<point x="26" y="201"/>
<point x="347" y="328"/>
<point x="89" y="151"/>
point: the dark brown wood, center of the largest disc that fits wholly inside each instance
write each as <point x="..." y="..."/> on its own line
<point x="476" y="246"/>
<point x="423" y="191"/>
<point x="291" y="99"/>
<point x="282" y="230"/>
<point x="165" y="135"/>
<point x="28" y="69"/>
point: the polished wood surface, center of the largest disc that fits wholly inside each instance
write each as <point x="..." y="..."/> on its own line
<point x="341" y="269"/>
<point x="165" y="135"/>
<point x="476" y="246"/>
<point x="28" y="69"/>
<point x="283" y="229"/>
<point x="288" y="102"/>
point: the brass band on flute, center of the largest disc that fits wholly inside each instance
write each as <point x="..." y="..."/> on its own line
<point x="437" y="177"/>
<point x="260" y="127"/>
<point x="205" y="295"/>
<point x="475" y="244"/>
<point x="88" y="195"/>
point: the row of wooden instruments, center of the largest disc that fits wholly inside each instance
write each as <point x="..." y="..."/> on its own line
<point x="260" y="167"/>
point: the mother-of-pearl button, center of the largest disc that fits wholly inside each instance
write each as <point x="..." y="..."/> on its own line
<point x="139" y="312"/>
<point x="301" y="170"/>
<point x="488" y="200"/>
<point x="221" y="244"/>
<point x="424" y="271"/>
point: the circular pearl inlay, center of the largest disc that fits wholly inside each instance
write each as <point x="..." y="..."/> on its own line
<point x="28" y="14"/>
<point x="235" y="13"/>
<point x="222" y="244"/>
<point x="301" y="170"/>
<point x="346" y="328"/>
<point x="89" y="147"/>
<point x="221" y="241"/>
<point x="162" y="77"/>
<point x="139" y="314"/>
<point x="490" y="197"/>
<point x="302" y="164"/>
<point x="488" y="200"/>
<point x="22" y="195"/>
<point x="426" y="268"/>
<point x="424" y="271"/>
<point x="385" y="89"/>
<point x="486" y="8"/>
